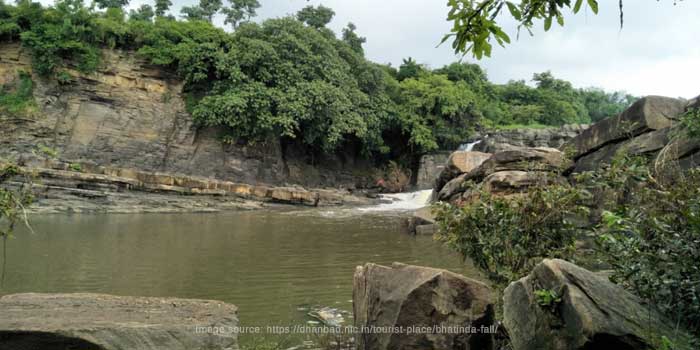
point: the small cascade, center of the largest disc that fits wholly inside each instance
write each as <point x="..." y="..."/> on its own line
<point x="469" y="147"/>
<point x="402" y="201"/>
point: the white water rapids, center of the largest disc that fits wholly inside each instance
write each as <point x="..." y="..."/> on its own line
<point x="402" y="201"/>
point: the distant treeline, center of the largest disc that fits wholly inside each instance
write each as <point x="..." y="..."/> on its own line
<point x="294" y="79"/>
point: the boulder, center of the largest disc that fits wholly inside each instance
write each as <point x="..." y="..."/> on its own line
<point x="293" y="195"/>
<point x="508" y="182"/>
<point x="460" y="162"/>
<point x="105" y="322"/>
<point x="541" y="159"/>
<point x="426" y="230"/>
<point x="506" y="140"/>
<point x="592" y="313"/>
<point x="649" y="113"/>
<point x="397" y="307"/>
<point x="451" y="188"/>
<point x="647" y="143"/>
<point x="429" y="169"/>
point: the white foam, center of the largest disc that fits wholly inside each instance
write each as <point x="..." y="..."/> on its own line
<point x="469" y="147"/>
<point x="402" y="201"/>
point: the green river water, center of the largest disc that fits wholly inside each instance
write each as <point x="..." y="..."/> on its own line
<point x="274" y="265"/>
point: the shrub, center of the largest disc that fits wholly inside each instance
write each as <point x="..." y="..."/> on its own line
<point x="653" y="245"/>
<point x="506" y="237"/>
<point x="17" y="99"/>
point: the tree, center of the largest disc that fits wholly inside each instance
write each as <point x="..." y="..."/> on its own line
<point x="239" y="11"/>
<point x="205" y="10"/>
<point x="409" y="69"/>
<point x="143" y="13"/>
<point x="162" y="6"/>
<point x="316" y="17"/>
<point x="106" y="4"/>
<point x="351" y="38"/>
<point x="475" y="21"/>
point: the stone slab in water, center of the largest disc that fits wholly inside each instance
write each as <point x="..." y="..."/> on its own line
<point x="106" y="322"/>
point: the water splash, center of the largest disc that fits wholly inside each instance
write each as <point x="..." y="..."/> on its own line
<point x="402" y="201"/>
<point x="469" y="147"/>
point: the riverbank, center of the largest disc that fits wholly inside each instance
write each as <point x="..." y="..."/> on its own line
<point x="82" y="188"/>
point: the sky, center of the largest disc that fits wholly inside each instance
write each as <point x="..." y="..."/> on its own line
<point x="657" y="52"/>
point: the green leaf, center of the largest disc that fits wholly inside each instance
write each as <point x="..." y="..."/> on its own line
<point x="547" y="23"/>
<point x="514" y="11"/>
<point x="577" y="6"/>
<point x="593" y="5"/>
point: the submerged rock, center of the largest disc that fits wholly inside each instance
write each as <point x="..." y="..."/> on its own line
<point x="591" y="313"/>
<point x="106" y="322"/>
<point x="413" y="307"/>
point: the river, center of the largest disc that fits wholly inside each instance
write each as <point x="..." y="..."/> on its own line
<point x="273" y="264"/>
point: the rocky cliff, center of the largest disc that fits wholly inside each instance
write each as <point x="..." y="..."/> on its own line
<point x="127" y="123"/>
<point x="132" y="115"/>
<point x="503" y="140"/>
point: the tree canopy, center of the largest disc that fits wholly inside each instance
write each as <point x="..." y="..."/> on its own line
<point x="294" y="80"/>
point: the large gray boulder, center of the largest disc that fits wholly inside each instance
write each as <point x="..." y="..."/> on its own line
<point x="390" y="302"/>
<point x="105" y="322"/>
<point x="510" y="182"/>
<point x="542" y="159"/>
<point x="593" y="313"/>
<point x="645" y="144"/>
<point x="429" y="169"/>
<point x="647" y="114"/>
<point x="505" y="140"/>
<point x="458" y="163"/>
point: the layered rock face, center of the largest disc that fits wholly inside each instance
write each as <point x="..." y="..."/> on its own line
<point x="503" y="140"/>
<point x="649" y="127"/>
<point x="105" y="322"/>
<point x="591" y="313"/>
<point x="131" y="115"/>
<point x="503" y="173"/>
<point x="411" y="307"/>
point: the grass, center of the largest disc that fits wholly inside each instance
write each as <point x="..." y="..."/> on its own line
<point x="17" y="99"/>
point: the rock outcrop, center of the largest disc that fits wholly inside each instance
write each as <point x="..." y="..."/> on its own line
<point x="130" y="115"/>
<point x="647" y="128"/>
<point x="411" y="307"/>
<point x="459" y="162"/>
<point x="105" y="322"/>
<point x="76" y="187"/>
<point x="503" y="173"/>
<point x="503" y="140"/>
<point x="588" y="312"/>
<point x="429" y="169"/>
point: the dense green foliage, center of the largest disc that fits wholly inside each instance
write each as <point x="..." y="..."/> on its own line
<point x="649" y="232"/>
<point x="652" y="241"/>
<point x="291" y="78"/>
<point x="507" y="237"/>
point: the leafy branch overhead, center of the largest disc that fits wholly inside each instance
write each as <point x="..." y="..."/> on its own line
<point x="476" y="23"/>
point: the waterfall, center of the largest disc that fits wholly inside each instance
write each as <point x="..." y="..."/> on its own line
<point x="469" y="147"/>
<point x="402" y="201"/>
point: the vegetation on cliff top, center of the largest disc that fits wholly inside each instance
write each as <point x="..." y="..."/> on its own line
<point x="292" y="78"/>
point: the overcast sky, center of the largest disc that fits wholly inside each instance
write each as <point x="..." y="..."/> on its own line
<point x="657" y="51"/>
